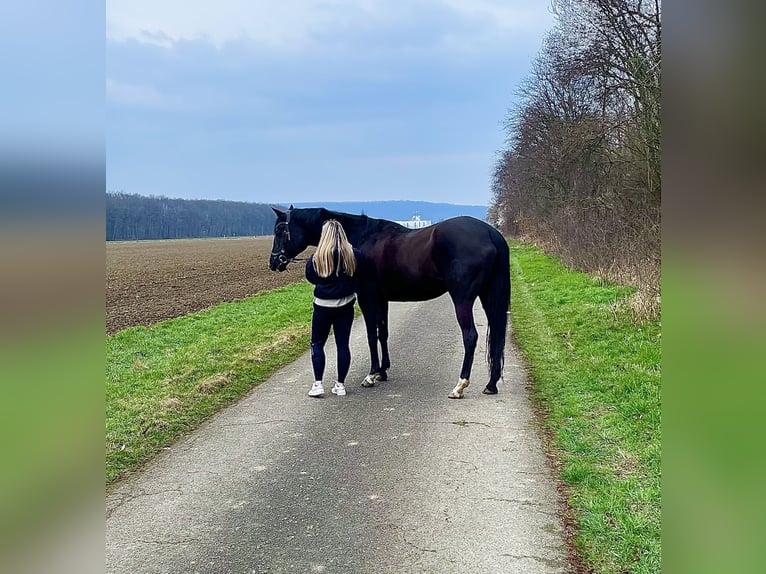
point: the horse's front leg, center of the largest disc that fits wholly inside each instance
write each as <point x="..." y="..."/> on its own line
<point x="369" y="312"/>
<point x="464" y="313"/>
<point x="383" y="338"/>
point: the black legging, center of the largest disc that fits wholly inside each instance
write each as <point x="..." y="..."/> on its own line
<point x="340" y="319"/>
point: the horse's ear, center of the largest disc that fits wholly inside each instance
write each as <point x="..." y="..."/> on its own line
<point x="323" y="214"/>
<point x="280" y="214"/>
<point x="291" y="206"/>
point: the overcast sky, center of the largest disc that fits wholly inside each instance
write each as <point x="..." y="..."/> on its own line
<point x="314" y="100"/>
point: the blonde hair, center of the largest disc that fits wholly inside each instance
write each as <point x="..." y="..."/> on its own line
<point x="334" y="237"/>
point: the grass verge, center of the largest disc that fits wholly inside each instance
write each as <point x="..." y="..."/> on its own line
<point x="596" y="378"/>
<point x="163" y="380"/>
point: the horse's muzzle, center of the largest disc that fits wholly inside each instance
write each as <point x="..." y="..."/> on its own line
<point x="278" y="262"/>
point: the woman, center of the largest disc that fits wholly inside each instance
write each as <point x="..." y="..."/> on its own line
<point x="331" y="270"/>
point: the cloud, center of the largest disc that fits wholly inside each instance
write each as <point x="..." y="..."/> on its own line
<point x="419" y="160"/>
<point x="139" y="95"/>
<point x="312" y="98"/>
<point x="301" y="25"/>
<point x="287" y="23"/>
<point x="506" y="15"/>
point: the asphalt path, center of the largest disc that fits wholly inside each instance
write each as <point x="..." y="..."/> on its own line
<point x="396" y="478"/>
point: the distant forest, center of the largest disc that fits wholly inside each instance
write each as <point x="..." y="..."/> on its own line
<point x="133" y="217"/>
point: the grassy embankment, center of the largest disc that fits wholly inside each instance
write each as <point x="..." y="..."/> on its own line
<point x="163" y="380"/>
<point x="596" y="379"/>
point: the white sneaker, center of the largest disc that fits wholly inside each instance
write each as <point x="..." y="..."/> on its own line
<point x="317" y="390"/>
<point x="339" y="389"/>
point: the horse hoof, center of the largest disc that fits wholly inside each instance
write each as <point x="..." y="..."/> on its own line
<point x="369" y="381"/>
<point x="457" y="392"/>
<point x="488" y="391"/>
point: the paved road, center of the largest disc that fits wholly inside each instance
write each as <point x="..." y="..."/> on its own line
<point x="392" y="479"/>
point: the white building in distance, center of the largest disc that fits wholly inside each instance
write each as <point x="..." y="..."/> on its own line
<point x="415" y="222"/>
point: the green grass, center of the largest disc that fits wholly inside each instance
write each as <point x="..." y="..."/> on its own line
<point x="596" y="378"/>
<point x="163" y="380"/>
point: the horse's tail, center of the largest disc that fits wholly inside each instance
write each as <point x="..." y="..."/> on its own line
<point x="496" y="300"/>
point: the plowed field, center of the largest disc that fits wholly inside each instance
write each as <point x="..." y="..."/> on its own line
<point x="149" y="281"/>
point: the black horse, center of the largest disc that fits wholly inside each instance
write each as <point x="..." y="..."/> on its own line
<point x="462" y="256"/>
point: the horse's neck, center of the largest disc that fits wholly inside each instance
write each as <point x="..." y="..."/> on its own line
<point x="355" y="226"/>
<point x="359" y="229"/>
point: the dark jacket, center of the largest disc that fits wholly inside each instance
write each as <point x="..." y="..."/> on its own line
<point x="334" y="286"/>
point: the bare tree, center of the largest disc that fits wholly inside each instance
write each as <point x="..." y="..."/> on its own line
<point x="582" y="171"/>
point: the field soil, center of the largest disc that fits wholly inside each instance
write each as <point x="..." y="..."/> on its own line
<point x="150" y="281"/>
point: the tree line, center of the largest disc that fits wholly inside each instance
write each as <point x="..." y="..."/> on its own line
<point x="134" y="217"/>
<point x="581" y="171"/>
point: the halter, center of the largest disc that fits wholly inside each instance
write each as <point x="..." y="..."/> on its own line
<point x="281" y="255"/>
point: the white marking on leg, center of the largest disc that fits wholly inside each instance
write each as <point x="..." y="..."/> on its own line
<point x="369" y="380"/>
<point x="457" y="392"/>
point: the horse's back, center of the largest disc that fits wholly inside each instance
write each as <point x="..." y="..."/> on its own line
<point x="469" y="239"/>
<point x="426" y="263"/>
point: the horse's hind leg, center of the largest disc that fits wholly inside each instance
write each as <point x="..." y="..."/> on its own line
<point x="370" y="322"/>
<point x="464" y="313"/>
<point x="385" y="360"/>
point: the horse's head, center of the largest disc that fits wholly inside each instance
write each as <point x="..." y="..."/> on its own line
<point x="289" y="240"/>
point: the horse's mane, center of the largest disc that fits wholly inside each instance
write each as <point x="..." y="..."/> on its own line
<point x="359" y="228"/>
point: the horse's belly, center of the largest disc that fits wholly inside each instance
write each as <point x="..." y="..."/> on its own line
<point x="406" y="291"/>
